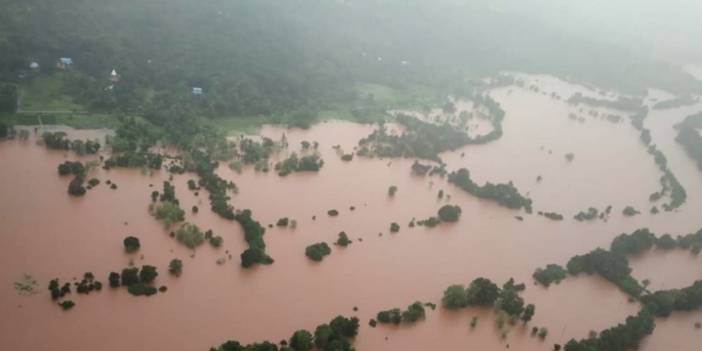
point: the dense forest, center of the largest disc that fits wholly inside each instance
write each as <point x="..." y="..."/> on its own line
<point x="302" y="56"/>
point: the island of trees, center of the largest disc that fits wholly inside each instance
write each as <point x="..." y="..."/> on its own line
<point x="504" y="194"/>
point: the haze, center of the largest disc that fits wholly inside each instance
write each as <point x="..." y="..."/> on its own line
<point x="302" y="175"/>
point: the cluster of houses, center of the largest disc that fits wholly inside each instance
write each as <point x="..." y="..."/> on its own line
<point x="64" y="63"/>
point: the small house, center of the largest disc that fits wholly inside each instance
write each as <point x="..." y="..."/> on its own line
<point x="64" y="62"/>
<point x="114" y="77"/>
<point x="197" y="91"/>
<point x="34" y="65"/>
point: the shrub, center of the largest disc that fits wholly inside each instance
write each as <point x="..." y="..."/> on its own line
<point x="131" y="244"/>
<point x="175" y="267"/>
<point x="552" y="273"/>
<point x="394" y="227"/>
<point x="190" y="235"/>
<point x="316" y="252"/>
<point x="449" y="213"/>
<point x="67" y="304"/>
<point x="147" y="274"/>
<point x="114" y="279"/>
<point x="169" y="212"/>
<point x="343" y="240"/>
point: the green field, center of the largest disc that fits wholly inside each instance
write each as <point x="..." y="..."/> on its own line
<point x="46" y="93"/>
<point x="44" y="98"/>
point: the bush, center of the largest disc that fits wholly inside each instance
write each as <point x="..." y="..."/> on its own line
<point x="141" y="289"/>
<point x="482" y="292"/>
<point x="630" y="211"/>
<point x="394" y="227"/>
<point x="449" y="213"/>
<point x="392" y="190"/>
<point x="169" y="212"/>
<point x="414" y="312"/>
<point x="588" y="215"/>
<point x="343" y="240"/>
<point x="131" y="244"/>
<point x="430" y="222"/>
<point x="552" y="273"/>
<point x="75" y="187"/>
<point x="70" y="167"/>
<point x="316" y="252"/>
<point x="175" y="267"/>
<point x="393" y="316"/>
<point x="114" y="279"/>
<point x="253" y="256"/>
<point x="147" y="274"/>
<point x="333" y="213"/>
<point x="216" y="241"/>
<point x="282" y="222"/>
<point x="455" y="297"/>
<point x="130" y="276"/>
<point x="190" y="235"/>
<point x="553" y="216"/>
<point x="301" y="340"/>
<point x="67" y="305"/>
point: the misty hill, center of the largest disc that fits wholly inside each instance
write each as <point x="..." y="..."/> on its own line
<point x="266" y="56"/>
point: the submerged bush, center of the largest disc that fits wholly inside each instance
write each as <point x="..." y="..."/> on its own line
<point x="316" y="252"/>
<point x="449" y="213"/>
<point x="190" y="235"/>
<point x="131" y="244"/>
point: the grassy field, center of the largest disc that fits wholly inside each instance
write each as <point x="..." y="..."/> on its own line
<point x="75" y="120"/>
<point x="45" y="93"/>
<point x="44" y="98"/>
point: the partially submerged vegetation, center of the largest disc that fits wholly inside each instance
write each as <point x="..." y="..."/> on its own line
<point x="504" y="194"/>
<point x="60" y="141"/>
<point x="316" y="252"/>
<point x="307" y="163"/>
<point x="337" y="335"/>
<point x="481" y="292"/>
<point x="689" y="137"/>
<point x="413" y="313"/>
<point x="426" y="140"/>
<point x="613" y="265"/>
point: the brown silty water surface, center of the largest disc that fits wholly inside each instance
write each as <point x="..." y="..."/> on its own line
<point x="48" y="234"/>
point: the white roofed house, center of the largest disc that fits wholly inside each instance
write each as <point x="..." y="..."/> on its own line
<point x="196" y="91"/>
<point x="114" y="77"/>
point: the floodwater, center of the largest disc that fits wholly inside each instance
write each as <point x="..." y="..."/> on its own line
<point x="48" y="234"/>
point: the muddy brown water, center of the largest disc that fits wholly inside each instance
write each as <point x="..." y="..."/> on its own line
<point x="46" y="233"/>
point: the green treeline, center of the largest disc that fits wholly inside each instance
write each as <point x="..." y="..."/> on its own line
<point x="504" y="194"/>
<point x="669" y="183"/>
<point x="482" y="292"/>
<point x="59" y="141"/>
<point x="307" y="163"/>
<point x="613" y="265"/>
<point x="689" y="137"/>
<point x="622" y="103"/>
<point x="413" y="313"/>
<point x="336" y="335"/>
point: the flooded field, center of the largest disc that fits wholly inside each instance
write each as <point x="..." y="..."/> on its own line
<point x="47" y="234"/>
